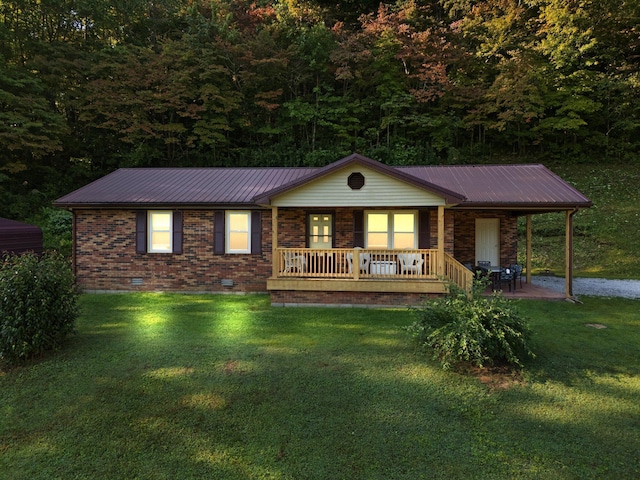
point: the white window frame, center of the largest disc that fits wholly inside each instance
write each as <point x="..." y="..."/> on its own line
<point x="151" y="231"/>
<point x="390" y="227"/>
<point x="228" y="232"/>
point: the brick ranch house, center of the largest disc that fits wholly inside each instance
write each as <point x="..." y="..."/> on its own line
<point x="354" y="232"/>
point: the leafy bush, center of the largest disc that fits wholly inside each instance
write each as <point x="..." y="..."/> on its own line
<point x="38" y="304"/>
<point x="56" y="225"/>
<point x="472" y="328"/>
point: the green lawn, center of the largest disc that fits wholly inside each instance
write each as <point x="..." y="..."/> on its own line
<point x="225" y="387"/>
<point x="606" y="236"/>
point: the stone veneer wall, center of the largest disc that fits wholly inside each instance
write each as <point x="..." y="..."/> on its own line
<point x="106" y="259"/>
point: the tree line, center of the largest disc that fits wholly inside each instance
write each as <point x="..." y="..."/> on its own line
<point x="87" y="86"/>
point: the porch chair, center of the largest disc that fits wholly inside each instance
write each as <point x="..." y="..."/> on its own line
<point x="294" y="262"/>
<point x="506" y="276"/>
<point x="517" y="274"/>
<point x="365" y="260"/>
<point x="411" y="263"/>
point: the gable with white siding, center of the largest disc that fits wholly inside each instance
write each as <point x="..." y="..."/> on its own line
<point x="379" y="190"/>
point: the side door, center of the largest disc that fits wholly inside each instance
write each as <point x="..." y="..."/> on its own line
<point x="488" y="240"/>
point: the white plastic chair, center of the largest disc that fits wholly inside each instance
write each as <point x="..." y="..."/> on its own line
<point x="294" y="262"/>
<point x="365" y="260"/>
<point x="411" y="263"/>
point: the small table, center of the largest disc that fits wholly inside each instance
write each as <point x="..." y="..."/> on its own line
<point x="495" y="275"/>
<point x="492" y="272"/>
<point x="384" y="267"/>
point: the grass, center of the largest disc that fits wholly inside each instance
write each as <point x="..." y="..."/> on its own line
<point x="160" y="386"/>
<point x="606" y="236"/>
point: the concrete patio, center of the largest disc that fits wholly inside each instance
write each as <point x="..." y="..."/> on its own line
<point x="530" y="292"/>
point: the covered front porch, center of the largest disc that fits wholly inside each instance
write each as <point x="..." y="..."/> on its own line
<point x="417" y="271"/>
<point x="360" y="232"/>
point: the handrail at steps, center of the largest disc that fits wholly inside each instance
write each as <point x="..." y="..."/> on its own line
<point x="457" y="273"/>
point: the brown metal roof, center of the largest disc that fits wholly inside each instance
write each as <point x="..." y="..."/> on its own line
<point x="181" y="186"/>
<point x="510" y="186"/>
<point x="479" y="186"/>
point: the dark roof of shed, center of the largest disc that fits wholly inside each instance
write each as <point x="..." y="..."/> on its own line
<point x="18" y="237"/>
<point x="494" y="186"/>
<point x="14" y="226"/>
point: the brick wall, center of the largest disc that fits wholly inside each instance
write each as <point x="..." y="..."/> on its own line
<point x="465" y="235"/>
<point x="285" y="297"/>
<point x="106" y="258"/>
<point x="292" y="227"/>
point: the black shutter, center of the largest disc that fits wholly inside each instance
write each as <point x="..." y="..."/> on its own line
<point x="358" y="228"/>
<point x="218" y="232"/>
<point x="141" y="231"/>
<point x="256" y="233"/>
<point x="177" y="232"/>
<point x="424" y="230"/>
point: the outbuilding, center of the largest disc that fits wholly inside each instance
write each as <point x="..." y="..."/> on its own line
<point x="18" y="237"/>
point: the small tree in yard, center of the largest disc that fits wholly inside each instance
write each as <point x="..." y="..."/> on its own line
<point x="38" y="304"/>
<point x="473" y="328"/>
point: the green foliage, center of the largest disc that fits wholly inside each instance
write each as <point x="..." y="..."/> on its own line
<point x="56" y="225"/>
<point x="284" y="83"/>
<point x="38" y="305"/>
<point x="472" y="328"/>
<point x="605" y="244"/>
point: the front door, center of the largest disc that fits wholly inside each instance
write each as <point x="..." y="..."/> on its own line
<point x="320" y="230"/>
<point x="488" y="240"/>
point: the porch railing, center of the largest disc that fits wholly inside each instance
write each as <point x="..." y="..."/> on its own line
<point x="457" y="273"/>
<point x="361" y="263"/>
<point x="356" y="263"/>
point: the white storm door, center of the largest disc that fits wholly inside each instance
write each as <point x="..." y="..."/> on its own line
<point x="488" y="240"/>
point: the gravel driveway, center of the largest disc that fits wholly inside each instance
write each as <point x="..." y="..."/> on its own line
<point x="592" y="286"/>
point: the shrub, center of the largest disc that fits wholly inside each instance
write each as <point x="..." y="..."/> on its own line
<point x="56" y="225"/>
<point x="472" y="328"/>
<point x="38" y="304"/>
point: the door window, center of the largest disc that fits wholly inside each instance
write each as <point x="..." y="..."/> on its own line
<point x="320" y="230"/>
